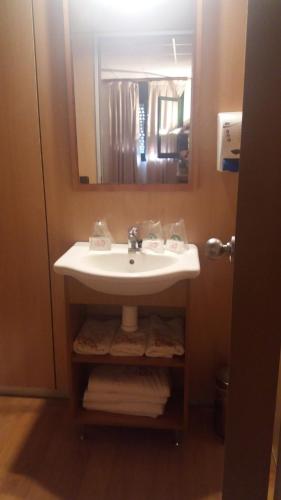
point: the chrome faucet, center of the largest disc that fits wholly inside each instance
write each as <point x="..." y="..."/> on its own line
<point x="134" y="240"/>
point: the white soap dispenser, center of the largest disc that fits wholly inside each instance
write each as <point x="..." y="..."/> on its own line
<point x="229" y="141"/>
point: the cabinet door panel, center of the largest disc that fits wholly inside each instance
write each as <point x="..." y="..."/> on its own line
<point x="26" y="346"/>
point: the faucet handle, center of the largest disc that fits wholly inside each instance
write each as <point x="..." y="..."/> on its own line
<point x="133" y="231"/>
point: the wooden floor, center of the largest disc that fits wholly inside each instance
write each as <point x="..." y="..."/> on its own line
<point x="42" y="457"/>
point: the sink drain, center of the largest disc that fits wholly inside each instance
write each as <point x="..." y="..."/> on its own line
<point x="131" y="261"/>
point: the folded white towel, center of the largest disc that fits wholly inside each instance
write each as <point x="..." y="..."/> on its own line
<point x="166" y="338"/>
<point x="135" y="380"/>
<point x="111" y="397"/>
<point x="95" y="336"/>
<point x="127" y="408"/>
<point x="130" y="343"/>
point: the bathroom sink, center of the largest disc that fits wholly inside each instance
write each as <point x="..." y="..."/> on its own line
<point x="118" y="272"/>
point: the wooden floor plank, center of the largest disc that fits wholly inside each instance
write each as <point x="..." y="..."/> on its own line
<point x="42" y="458"/>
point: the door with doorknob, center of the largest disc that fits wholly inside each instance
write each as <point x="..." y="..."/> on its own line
<point x="256" y="303"/>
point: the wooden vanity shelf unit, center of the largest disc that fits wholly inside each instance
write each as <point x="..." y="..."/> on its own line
<point x="82" y="302"/>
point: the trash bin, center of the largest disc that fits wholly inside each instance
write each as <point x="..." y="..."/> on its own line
<point x="222" y="385"/>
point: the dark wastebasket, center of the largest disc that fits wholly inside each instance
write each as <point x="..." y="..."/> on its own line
<point x="222" y="385"/>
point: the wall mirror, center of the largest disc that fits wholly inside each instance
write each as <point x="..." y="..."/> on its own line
<point x="130" y="72"/>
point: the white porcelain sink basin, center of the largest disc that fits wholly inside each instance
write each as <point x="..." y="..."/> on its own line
<point x="118" y="272"/>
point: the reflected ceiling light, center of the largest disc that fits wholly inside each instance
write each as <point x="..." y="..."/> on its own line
<point x="174" y="49"/>
<point x="131" y="6"/>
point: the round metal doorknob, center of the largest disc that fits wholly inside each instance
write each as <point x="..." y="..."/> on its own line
<point x="215" y="248"/>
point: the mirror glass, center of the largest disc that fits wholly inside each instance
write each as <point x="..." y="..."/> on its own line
<point x="132" y="79"/>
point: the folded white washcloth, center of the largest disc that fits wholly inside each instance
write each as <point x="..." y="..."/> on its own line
<point x="137" y="380"/>
<point x="178" y="328"/>
<point x="130" y="343"/>
<point x="95" y="336"/>
<point x="166" y="338"/>
<point x="112" y="397"/>
<point x="127" y="408"/>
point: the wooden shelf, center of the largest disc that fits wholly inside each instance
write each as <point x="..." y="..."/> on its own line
<point x="171" y="420"/>
<point x="176" y="412"/>
<point x="175" y="362"/>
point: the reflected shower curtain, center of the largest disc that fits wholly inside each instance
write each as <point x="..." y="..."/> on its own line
<point x="161" y="170"/>
<point x="119" y="105"/>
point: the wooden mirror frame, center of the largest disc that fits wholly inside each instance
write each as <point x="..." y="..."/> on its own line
<point x="77" y="185"/>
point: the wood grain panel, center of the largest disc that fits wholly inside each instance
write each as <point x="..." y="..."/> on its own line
<point x="209" y="209"/>
<point x="175" y="362"/>
<point x="26" y="349"/>
<point x="277" y="419"/>
<point x="256" y="333"/>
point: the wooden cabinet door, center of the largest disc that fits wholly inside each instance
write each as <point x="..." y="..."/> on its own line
<point x="26" y="346"/>
<point x="256" y="318"/>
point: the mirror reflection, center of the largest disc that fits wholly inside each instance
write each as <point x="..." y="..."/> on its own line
<point x="133" y="102"/>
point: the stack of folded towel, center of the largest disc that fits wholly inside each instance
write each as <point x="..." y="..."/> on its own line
<point x="130" y="343"/>
<point x="128" y="390"/>
<point x="165" y="338"/>
<point x="95" y="336"/>
<point x="155" y="337"/>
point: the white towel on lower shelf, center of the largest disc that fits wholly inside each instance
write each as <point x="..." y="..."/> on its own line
<point x="127" y="408"/>
<point x="113" y="397"/>
<point x="130" y="343"/>
<point x="95" y="336"/>
<point x="137" y="380"/>
<point x="166" y="338"/>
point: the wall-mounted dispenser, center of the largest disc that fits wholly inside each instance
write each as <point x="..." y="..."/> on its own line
<point x="229" y="141"/>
